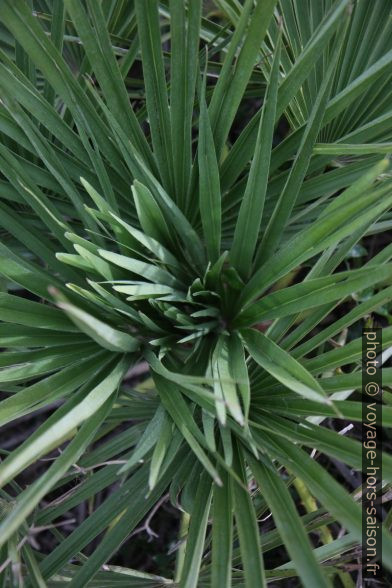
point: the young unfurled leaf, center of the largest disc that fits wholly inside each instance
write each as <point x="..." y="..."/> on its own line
<point x="283" y="366"/>
<point x="105" y="335"/>
<point x="224" y="384"/>
<point x="222" y="532"/>
<point x="170" y="216"/>
<point x="288" y="522"/>
<point x="196" y="536"/>
<point x="150" y="216"/>
<point x="248" y="532"/>
<point x="312" y="293"/>
<point x="251" y="209"/>
<point x="140" y="268"/>
<point x="209" y="184"/>
<point x="178" y="410"/>
<point x="329" y="229"/>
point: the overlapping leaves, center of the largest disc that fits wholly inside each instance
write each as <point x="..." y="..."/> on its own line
<point x="149" y="231"/>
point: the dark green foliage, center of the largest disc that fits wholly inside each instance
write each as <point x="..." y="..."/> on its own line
<point x="146" y="218"/>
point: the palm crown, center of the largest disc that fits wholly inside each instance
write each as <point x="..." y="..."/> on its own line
<point x="146" y="227"/>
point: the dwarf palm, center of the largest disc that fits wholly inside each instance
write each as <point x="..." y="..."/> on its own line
<point x="146" y="229"/>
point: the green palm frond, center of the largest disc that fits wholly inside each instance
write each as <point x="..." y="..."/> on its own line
<point x="151" y="211"/>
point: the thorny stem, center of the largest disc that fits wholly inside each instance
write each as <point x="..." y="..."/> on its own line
<point x="181" y="550"/>
<point x="325" y="534"/>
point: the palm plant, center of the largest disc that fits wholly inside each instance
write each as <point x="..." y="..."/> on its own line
<point x="139" y="225"/>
